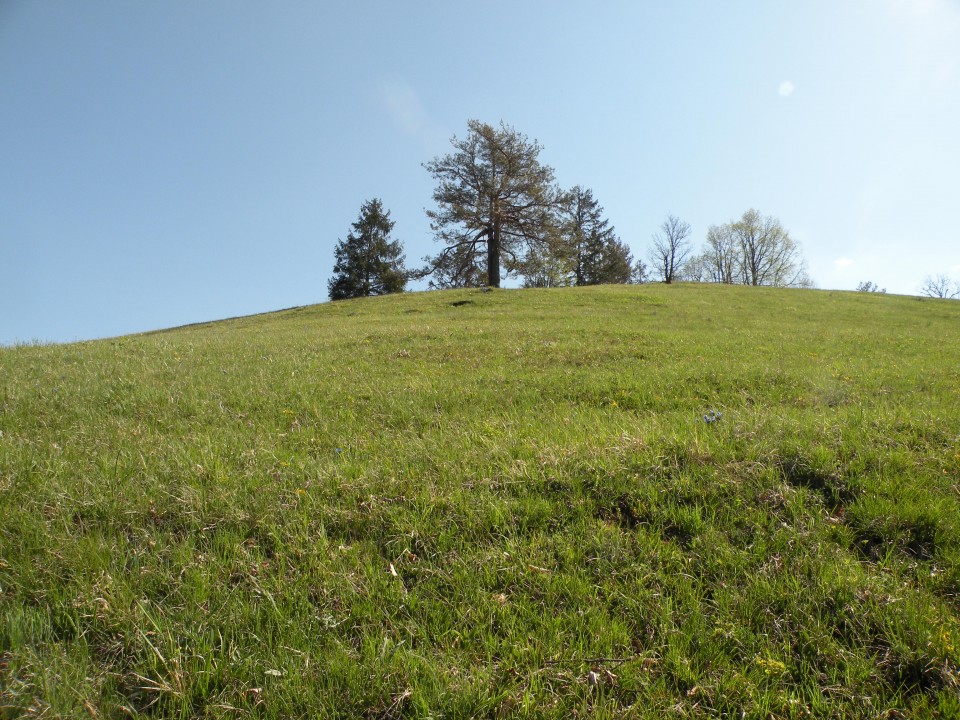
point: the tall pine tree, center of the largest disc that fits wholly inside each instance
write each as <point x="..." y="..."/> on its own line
<point x="495" y="200"/>
<point x="596" y="254"/>
<point x="368" y="262"/>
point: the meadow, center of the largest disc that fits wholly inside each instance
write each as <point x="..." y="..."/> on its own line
<point x="689" y="501"/>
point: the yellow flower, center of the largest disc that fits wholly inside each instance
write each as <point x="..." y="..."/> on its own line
<point x="771" y="667"/>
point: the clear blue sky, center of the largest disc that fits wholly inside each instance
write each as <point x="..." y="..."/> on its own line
<point x="171" y="162"/>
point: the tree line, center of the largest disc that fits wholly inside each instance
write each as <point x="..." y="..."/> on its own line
<point x="499" y="213"/>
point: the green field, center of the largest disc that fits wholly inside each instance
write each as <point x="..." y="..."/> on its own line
<point x="622" y="501"/>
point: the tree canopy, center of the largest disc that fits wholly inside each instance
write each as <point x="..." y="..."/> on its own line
<point x="754" y="250"/>
<point x="596" y="253"/>
<point x="496" y="205"/>
<point x="368" y="262"/>
<point x="670" y="248"/>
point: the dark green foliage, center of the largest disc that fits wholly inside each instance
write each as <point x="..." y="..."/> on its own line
<point x="596" y="254"/>
<point x="610" y="262"/>
<point x="368" y="261"/>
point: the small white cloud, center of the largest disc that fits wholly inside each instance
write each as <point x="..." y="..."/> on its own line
<point x="404" y="106"/>
<point x="843" y="262"/>
<point x="786" y="88"/>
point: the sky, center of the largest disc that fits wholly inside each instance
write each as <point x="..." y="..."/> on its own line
<point x="178" y="162"/>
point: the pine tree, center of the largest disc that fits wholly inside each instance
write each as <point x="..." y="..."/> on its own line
<point x="495" y="200"/>
<point x="461" y="267"/>
<point x="616" y="263"/>
<point x="596" y="254"/>
<point x="368" y="262"/>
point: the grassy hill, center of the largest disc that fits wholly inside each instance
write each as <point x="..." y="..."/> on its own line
<point x="658" y="501"/>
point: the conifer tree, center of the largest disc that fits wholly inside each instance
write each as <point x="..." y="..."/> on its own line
<point x="496" y="203"/>
<point x="615" y="263"/>
<point x="368" y="262"/>
<point x="596" y="254"/>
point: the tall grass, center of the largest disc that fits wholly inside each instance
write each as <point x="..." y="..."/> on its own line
<point x="690" y="501"/>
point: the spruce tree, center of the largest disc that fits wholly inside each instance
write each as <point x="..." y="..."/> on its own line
<point x="616" y="263"/>
<point x="597" y="256"/>
<point x="368" y="262"/>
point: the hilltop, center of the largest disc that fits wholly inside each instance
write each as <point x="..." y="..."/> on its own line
<point x="614" y="501"/>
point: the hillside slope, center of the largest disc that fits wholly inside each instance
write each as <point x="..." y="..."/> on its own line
<point x="686" y="500"/>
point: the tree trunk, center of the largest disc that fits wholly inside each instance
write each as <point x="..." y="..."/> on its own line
<point x="493" y="256"/>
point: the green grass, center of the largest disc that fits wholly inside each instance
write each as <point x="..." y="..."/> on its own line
<point x="490" y="504"/>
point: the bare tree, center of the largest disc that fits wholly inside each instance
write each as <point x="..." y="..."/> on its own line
<point x="670" y="248"/>
<point x="696" y="269"/>
<point x="870" y="287"/>
<point x="940" y="286"/>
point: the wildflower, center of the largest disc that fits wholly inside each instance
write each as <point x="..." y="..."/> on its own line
<point x="771" y="666"/>
<point x="712" y="416"/>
